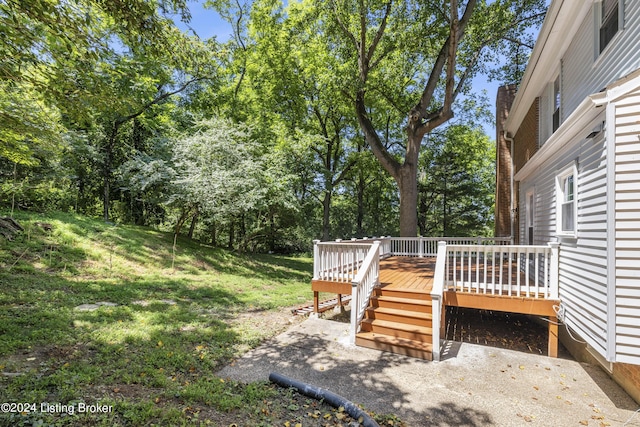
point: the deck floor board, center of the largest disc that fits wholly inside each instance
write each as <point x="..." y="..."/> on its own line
<point x="409" y="273"/>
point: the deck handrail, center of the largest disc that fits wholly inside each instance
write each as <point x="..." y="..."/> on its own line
<point x="423" y="246"/>
<point x="362" y="287"/>
<point x="513" y="270"/>
<point x="338" y="261"/>
<point x="436" y="298"/>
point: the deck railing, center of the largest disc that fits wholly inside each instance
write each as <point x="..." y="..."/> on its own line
<point x="338" y="261"/>
<point x="522" y="271"/>
<point x="428" y="246"/>
<point x="416" y="246"/>
<point x="368" y="277"/>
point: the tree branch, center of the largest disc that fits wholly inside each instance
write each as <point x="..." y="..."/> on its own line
<point x="418" y="117"/>
<point x="342" y="26"/>
<point x="156" y="100"/>
<point x="379" y="34"/>
<point x="388" y="162"/>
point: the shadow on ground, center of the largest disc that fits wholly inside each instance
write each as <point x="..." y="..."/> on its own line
<point x="475" y="385"/>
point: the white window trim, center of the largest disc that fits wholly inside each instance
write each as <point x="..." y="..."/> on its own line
<point x="553" y="101"/>
<point x="547" y="107"/>
<point x="572" y="169"/>
<point x="597" y="21"/>
<point x="530" y="215"/>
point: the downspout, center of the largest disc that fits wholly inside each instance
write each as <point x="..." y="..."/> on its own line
<point x="513" y="206"/>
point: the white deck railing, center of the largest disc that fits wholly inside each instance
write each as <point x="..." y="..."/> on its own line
<point x="428" y="246"/>
<point x="368" y="277"/>
<point x="522" y="271"/>
<point x="338" y="261"/>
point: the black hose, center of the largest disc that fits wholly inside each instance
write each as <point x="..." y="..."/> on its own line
<point x="325" y="395"/>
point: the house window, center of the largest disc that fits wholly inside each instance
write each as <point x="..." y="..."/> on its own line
<point x="566" y="202"/>
<point x="556" y="104"/>
<point x="530" y="204"/>
<point x="609" y="22"/>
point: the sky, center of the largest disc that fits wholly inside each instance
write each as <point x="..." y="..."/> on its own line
<point x="207" y="23"/>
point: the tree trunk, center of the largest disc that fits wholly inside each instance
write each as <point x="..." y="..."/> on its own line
<point x="106" y="170"/>
<point x="326" y="224"/>
<point x="360" y="215"/>
<point x="214" y="234"/>
<point x="408" y="185"/>
<point x="194" y="221"/>
<point x="272" y="232"/>
<point x="232" y="234"/>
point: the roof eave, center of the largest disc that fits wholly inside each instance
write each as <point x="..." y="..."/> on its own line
<point x="553" y="40"/>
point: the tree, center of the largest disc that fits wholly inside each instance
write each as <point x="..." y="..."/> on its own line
<point x="417" y="57"/>
<point x="456" y="183"/>
<point x="94" y="64"/>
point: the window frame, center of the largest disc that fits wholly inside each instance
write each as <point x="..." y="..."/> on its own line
<point x="530" y="206"/>
<point x="556" y="104"/>
<point x="561" y="201"/>
<point x="600" y="47"/>
<point x="608" y="23"/>
<point x="547" y="107"/>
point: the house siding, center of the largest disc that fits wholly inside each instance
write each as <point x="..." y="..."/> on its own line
<point x="627" y="228"/>
<point x="583" y="265"/>
<point x="584" y="74"/>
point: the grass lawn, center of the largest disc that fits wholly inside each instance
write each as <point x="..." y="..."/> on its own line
<point x="114" y="317"/>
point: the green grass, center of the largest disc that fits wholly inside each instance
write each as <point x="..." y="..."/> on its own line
<point x="172" y="320"/>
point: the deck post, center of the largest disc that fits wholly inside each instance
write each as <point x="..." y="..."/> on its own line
<point x="552" y="349"/>
<point x="554" y="285"/>
<point x="436" y="299"/>
<point x="354" y="313"/>
<point x="316" y="302"/>
<point x="316" y="260"/>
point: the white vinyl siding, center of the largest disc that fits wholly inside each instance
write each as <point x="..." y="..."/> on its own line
<point x="583" y="265"/>
<point x="582" y="74"/>
<point x="627" y="228"/>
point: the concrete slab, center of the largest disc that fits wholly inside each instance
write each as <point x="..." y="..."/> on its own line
<point x="472" y="386"/>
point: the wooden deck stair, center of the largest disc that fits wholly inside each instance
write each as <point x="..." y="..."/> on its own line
<point x="398" y="321"/>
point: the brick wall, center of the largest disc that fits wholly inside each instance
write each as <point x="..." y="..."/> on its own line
<point x="628" y="376"/>
<point x="504" y="100"/>
<point x="526" y="139"/>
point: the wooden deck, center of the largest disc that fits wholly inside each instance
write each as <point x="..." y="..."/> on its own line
<point x="399" y="316"/>
<point x="407" y="273"/>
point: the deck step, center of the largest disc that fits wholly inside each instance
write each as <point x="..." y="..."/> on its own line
<point x="418" y="318"/>
<point x="397" y="329"/>
<point x="401" y="303"/>
<point x="398" y="345"/>
<point x="402" y="293"/>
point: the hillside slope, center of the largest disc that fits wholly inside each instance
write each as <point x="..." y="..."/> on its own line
<point x="94" y="312"/>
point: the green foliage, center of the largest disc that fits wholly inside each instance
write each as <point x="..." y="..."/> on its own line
<point x="254" y="144"/>
<point x="457" y="184"/>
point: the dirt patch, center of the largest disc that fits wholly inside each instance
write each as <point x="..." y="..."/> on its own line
<point x="286" y="407"/>
<point x="510" y="331"/>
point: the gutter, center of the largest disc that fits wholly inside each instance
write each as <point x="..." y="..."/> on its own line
<point x="512" y="213"/>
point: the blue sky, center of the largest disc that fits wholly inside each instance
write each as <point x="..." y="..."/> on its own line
<point x="207" y="23"/>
